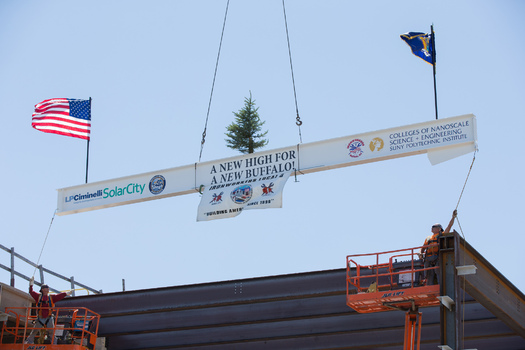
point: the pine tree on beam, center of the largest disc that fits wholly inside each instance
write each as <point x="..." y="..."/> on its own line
<point x="244" y="134"/>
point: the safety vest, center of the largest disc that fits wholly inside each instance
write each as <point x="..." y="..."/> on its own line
<point x="50" y="304"/>
<point x="432" y="240"/>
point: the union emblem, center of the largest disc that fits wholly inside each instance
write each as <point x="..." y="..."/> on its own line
<point x="241" y="194"/>
<point x="217" y="198"/>
<point x="355" y="148"/>
<point x="267" y="190"/>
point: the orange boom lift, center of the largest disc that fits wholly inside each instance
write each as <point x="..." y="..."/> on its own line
<point x="75" y="329"/>
<point x="393" y="280"/>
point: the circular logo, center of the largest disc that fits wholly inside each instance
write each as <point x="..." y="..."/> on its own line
<point x="157" y="184"/>
<point x="241" y="194"/>
<point x="376" y="144"/>
<point x="355" y="148"/>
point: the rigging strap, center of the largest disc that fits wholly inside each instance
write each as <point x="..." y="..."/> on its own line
<point x="213" y="83"/>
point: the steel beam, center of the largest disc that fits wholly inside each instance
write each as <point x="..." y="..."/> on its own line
<point x="441" y="140"/>
<point x="449" y="290"/>
<point x="491" y="289"/>
<point x="296" y="311"/>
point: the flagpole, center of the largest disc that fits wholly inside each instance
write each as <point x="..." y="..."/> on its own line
<point x="433" y="43"/>
<point x="87" y="155"/>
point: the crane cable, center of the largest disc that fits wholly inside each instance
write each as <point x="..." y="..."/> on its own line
<point x="45" y="240"/>
<point x="298" y="121"/>
<point x="213" y="83"/>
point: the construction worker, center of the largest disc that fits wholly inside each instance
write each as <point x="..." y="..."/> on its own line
<point x="430" y="253"/>
<point x="44" y="303"/>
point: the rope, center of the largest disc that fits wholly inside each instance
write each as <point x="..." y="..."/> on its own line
<point x="45" y="240"/>
<point x="460" y="228"/>
<point x="213" y="83"/>
<point x="463" y="235"/>
<point x="473" y="159"/>
<point x="464" y="239"/>
<point x="298" y="121"/>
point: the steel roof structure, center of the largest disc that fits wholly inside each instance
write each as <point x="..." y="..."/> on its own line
<point x="299" y="311"/>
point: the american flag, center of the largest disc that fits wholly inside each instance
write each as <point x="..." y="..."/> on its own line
<point x="63" y="116"/>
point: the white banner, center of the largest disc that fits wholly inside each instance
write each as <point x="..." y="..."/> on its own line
<point x="249" y="192"/>
<point x="441" y="140"/>
<point x="250" y="181"/>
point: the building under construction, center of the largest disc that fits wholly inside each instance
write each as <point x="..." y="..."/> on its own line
<point x="475" y="308"/>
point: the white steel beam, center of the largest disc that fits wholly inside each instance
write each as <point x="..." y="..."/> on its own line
<point x="441" y="140"/>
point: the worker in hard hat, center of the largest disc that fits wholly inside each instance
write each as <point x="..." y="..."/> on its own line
<point x="430" y="251"/>
<point x="44" y="303"/>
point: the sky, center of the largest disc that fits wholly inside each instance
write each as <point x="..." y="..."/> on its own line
<point x="149" y="68"/>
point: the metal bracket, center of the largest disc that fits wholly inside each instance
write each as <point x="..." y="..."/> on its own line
<point x="447" y="301"/>
<point x="466" y="270"/>
<point x="444" y="347"/>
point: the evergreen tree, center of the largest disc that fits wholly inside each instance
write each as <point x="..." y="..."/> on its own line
<point x="244" y="134"/>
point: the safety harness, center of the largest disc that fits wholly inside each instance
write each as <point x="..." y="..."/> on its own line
<point x="433" y="243"/>
<point x="49" y="304"/>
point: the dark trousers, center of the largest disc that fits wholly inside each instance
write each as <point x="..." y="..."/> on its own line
<point x="432" y="261"/>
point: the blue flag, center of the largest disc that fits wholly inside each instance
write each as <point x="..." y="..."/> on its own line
<point x="421" y="45"/>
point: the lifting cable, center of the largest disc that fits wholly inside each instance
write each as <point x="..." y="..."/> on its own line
<point x="298" y="121"/>
<point x="213" y="83"/>
<point x="45" y="240"/>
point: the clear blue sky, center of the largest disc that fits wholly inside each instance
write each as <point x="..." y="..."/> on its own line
<point x="149" y="67"/>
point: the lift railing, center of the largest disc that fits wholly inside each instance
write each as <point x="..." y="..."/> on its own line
<point x="389" y="280"/>
<point x="74" y="326"/>
<point x="386" y="270"/>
